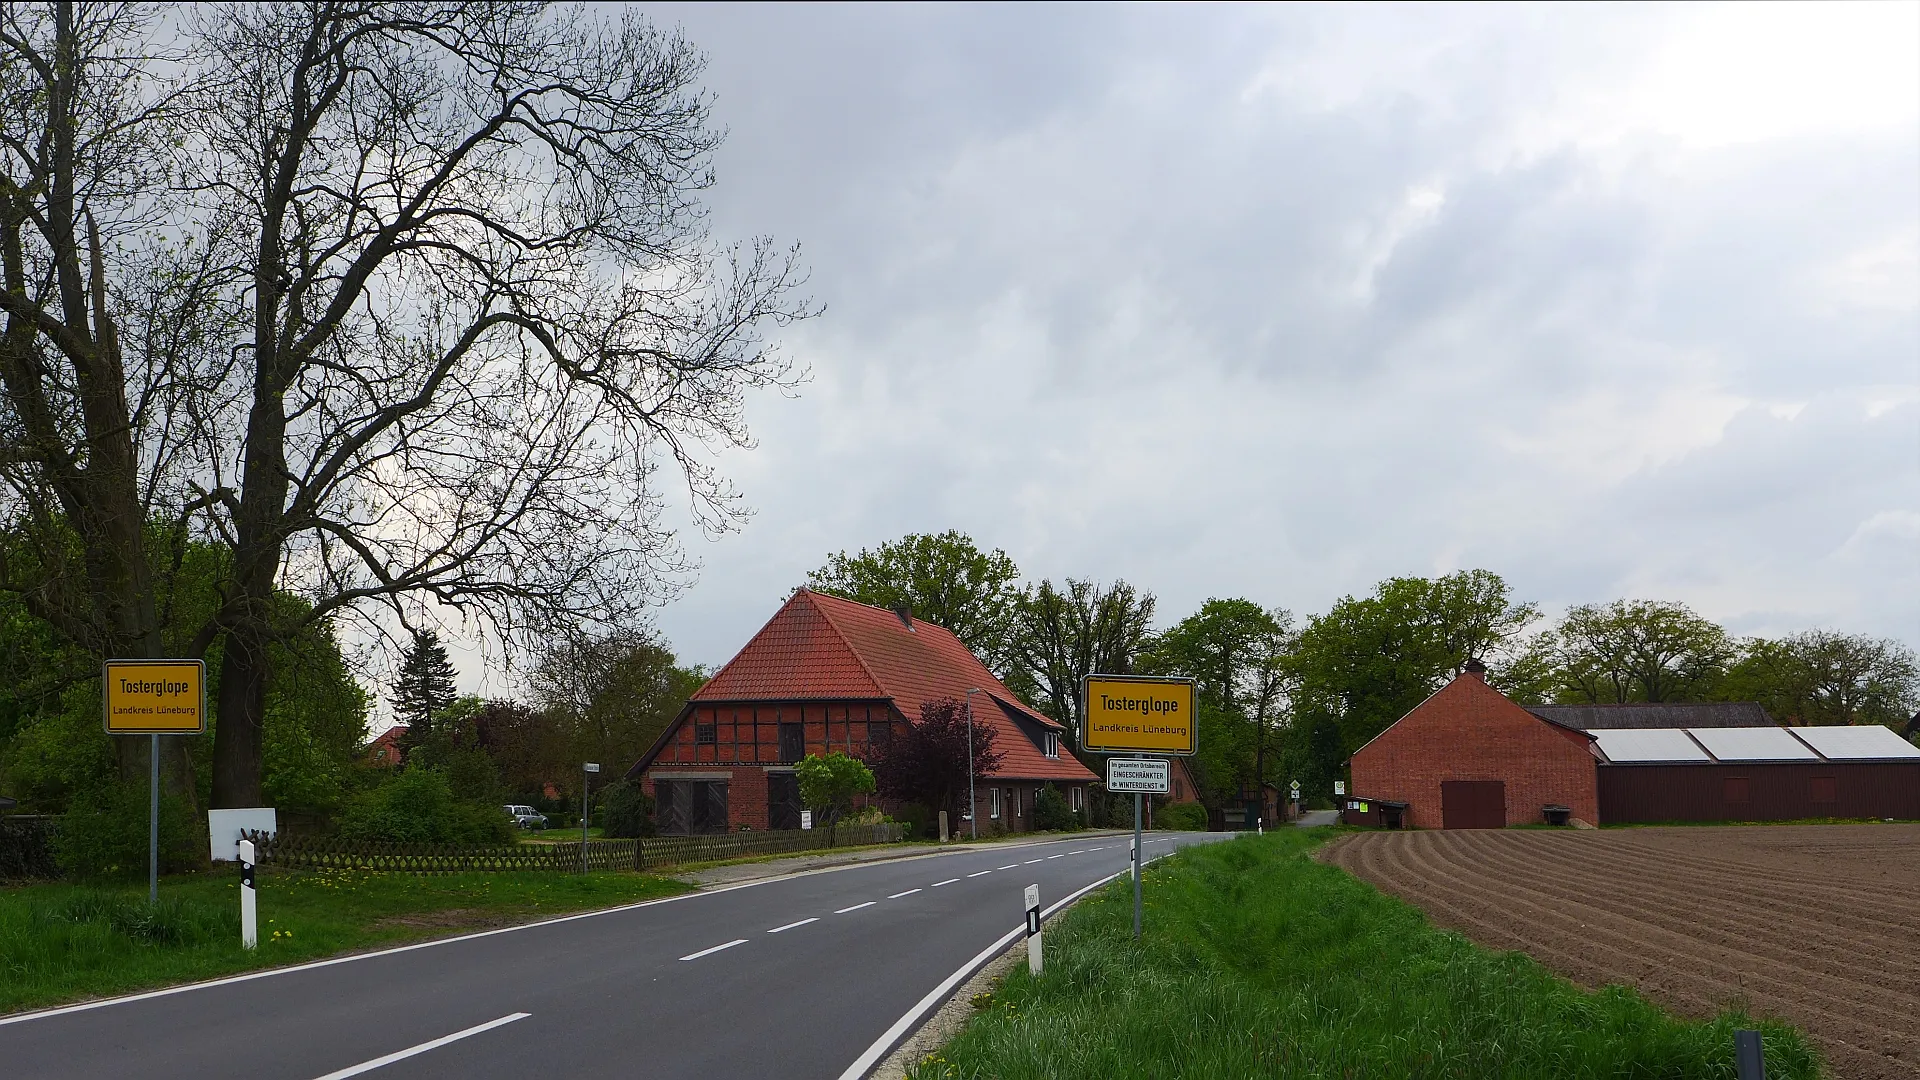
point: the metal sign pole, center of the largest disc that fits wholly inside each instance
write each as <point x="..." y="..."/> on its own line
<point x="1136" y="865"/>
<point x="153" y="822"/>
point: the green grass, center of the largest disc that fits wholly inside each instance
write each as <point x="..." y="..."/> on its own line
<point x="1260" y="962"/>
<point x="61" y="943"/>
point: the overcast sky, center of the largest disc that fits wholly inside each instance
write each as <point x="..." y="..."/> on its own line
<point x="1277" y="302"/>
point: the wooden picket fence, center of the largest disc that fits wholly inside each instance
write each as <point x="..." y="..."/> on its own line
<point x="296" y="852"/>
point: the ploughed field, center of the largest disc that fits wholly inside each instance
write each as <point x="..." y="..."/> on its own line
<point x="1813" y="924"/>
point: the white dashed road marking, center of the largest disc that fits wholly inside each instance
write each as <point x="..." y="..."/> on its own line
<point x="898" y="895"/>
<point x="983" y="872"/>
<point x="1030" y="862"/>
<point x="1009" y="866"/>
<point x="401" y="1055"/>
<point x="949" y="881"/>
<point x="715" y="949"/>
<point x="791" y="925"/>
<point x="1056" y="856"/>
<point x="856" y="907"/>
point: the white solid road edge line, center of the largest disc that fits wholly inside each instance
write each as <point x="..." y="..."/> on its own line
<point x="433" y="1044"/>
<point x="267" y="973"/>
<point x="715" y="949"/>
<point x="873" y="1054"/>
<point x="900" y="1027"/>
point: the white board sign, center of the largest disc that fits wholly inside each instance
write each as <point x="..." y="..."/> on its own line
<point x="1147" y="776"/>
<point x="1033" y="898"/>
<point x="806" y="819"/>
<point x="1339" y="787"/>
<point x="224" y="826"/>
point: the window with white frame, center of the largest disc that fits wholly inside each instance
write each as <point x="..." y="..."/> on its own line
<point x="1076" y="798"/>
<point x="1053" y="745"/>
<point x="993" y="810"/>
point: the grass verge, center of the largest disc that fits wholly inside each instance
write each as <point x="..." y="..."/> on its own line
<point x="1259" y="961"/>
<point x="61" y="943"/>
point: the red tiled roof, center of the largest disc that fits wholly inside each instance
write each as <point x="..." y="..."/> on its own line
<point x="824" y="647"/>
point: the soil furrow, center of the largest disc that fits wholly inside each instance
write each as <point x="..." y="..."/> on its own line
<point x="1810" y="923"/>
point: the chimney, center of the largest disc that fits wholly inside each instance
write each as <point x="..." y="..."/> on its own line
<point x="905" y="611"/>
<point x="1474" y="666"/>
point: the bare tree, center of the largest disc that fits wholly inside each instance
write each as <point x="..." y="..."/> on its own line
<point x="456" y="308"/>
<point x="87" y="439"/>
<point x="1063" y="636"/>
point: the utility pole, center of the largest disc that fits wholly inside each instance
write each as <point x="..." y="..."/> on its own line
<point x="973" y="808"/>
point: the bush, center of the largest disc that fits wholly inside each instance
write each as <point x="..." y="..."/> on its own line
<point x="919" y="819"/>
<point x="1051" y="812"/>
<point x="417" y="806"/>
<point x="103" y="834"/>
<point x="627" y="810"/>
<point x="1181" y="817"/>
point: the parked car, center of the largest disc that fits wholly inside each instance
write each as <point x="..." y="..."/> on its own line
<point x="527" y="817"/>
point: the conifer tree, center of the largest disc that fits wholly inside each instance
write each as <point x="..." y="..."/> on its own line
<point x="424" y="688"/>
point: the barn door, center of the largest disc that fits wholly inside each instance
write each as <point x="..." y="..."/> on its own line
<point x="709" y="810"/>
<point x="1473" y="804"/>
<point x="670" y="806"/>
<point x="783" y="801"/>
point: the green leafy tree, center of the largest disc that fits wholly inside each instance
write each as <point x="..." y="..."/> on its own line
<point x="829" y="784"/>
<point x="628" y="810"/>
<point x="1371" y="659"/>
<point x="423" y="689"/>
<point x="1064" y="635"/>
<point x="1051" y="812"/>
<point x="1237" y="652"/>
<point x="1827" y="677"/>
<point x="944" y="578"/>
<point x="1639" y="650"/>
<point x="594" y="698"/>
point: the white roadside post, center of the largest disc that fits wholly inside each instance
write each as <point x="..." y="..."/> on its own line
<point x="249" y="915"/>
<point x="1033" y="929"/>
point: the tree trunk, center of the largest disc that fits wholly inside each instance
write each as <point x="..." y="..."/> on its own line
<point x="236" y="742"/>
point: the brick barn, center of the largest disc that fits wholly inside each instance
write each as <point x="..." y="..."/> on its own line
<point x="1468" y="758"/>
<point x="829" y="674"/>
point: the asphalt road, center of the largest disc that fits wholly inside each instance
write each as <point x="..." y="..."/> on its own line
<point x="792" y="978"/>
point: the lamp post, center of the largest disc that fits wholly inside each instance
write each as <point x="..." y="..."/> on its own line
<point x="973" y="808"/>
<point x="586" y="778"/>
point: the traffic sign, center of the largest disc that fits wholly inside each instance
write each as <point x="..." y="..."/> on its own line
<point x="1133" y="714"/>
<point x="155" y="697"/>
<point x="1339" y="787"/>
<point x="1149" y="776"/>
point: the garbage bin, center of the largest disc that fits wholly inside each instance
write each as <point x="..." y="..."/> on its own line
<point x="1559" y="815"/>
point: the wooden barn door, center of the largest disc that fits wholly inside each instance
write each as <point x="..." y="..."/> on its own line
<point x="783" y="801"/>
<point x="1473" y="804"/>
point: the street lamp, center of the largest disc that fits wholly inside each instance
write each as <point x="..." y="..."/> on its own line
<point x="586" y="777"/>
<point x="973" y="808"/>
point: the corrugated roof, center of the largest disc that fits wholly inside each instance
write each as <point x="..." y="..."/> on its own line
<point x="1864" y="742"/>
<point x="1641" y="745"/>
<point x="1753" y="744"/>
<point x="1657" y="714"/>
<point x="819" y="646"/>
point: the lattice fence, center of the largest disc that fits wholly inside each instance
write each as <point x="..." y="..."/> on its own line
<point x="653" y="853"/>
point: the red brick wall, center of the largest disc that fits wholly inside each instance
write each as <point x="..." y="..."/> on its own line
<point x="746" y="790"/>
<point x="1468" y="731"/>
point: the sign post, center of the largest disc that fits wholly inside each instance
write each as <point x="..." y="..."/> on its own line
<point x="586" y="779"/>
<point x="154" y="698"/>
<point x="1033" y="930"/>
<point x="249" y="916"/>
<point x="1134" y="714"/>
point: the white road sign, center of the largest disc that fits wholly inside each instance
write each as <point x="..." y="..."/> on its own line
<point x="1339" y="787"/>
<point x="806" y="819"/>
<point x="1146" y="776"/>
